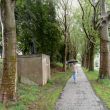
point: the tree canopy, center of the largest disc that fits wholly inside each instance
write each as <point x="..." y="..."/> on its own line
<point x="37" y="27"/>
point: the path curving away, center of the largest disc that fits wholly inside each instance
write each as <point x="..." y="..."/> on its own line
<point x="79" y="96"/>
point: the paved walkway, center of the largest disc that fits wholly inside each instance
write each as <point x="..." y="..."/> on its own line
<point x="79" y="96"/>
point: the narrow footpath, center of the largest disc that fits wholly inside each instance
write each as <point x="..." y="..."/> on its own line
<point x="79" y="96"/>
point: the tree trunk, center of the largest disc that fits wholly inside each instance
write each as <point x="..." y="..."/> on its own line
<point x="72" y="52"/>
<point x="91" y="57"/>
<point x="9" y="78"/>
<point x="86" y="56"/>
<point x="33" y="46"/>
<point x="65" y="52"/>
<point x="87" y="59"/>
<point x="65" y="37"/>
<point x="82" y="61"/>
<point x="104" y="44"/>
<point x="104" y="58"/>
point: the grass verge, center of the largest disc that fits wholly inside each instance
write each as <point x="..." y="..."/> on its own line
<point x="102" y="87"/>
<point x="39" y="97"/>
<point x="26" y="93"/>
<point x="51" y="92"/>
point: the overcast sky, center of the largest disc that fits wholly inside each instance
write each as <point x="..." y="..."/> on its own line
<point x="75" y="3"/>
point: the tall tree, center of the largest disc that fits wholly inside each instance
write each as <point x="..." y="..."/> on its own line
<point x="90" y="13"/>
<point x="9" y="78"/>
<point x="37" y="27"/>
<point x="104" y="42"/>
<point x="0" y="39"/>
<point x="65" y="14"/>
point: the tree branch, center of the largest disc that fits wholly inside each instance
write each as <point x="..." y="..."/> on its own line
<point x="87" y="35"/>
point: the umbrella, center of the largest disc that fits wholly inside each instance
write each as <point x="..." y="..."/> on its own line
<point x="72" y="61"/>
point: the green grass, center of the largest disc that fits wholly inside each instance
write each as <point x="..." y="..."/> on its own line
<point x="39" y="97"/>
<point x="51" y="92"/>
<point x="1" y="60"/>
<point x="102" y="87"/>
<point x="59" y="64"/>
<point x="27" y="94"/>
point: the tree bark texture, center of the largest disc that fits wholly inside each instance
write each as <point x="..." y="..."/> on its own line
<point x="65" y="37"/>
<point x="88" y="56"/>
<point x="104" y="54"/>
<point x="104" y="44"/>
<point x="65" y="52"/>
<point x="9" y="78"/>
<point x="91" y="57"/>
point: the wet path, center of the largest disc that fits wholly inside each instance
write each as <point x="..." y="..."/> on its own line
<point x="79" y="96"/>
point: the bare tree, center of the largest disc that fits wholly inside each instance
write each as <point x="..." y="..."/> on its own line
<point x="9" y="78"/>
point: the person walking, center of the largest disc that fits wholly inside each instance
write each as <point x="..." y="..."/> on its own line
<point x="75" y="71"/>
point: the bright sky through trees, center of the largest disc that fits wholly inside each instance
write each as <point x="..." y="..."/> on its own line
<point x="75" y="3"/>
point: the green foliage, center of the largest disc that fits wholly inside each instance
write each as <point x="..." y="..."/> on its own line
<point x="51" y="92"/>
<point x="50" y="82"/>
<point x="59" y="64"/>
<point x="102" y="87"/>
<point x="78" y="37"/>
<point x="27" y="94"/>
<point x="2" y="107"/>
<point x="37" y="27"/>
<point x="43" y="97"/>
<point x="88" y="18"/>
